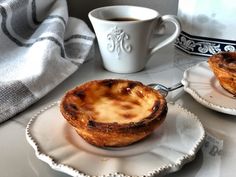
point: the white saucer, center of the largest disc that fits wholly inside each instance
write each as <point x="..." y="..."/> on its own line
<point x="166" y="150"/>
<point x="200" y="82"/>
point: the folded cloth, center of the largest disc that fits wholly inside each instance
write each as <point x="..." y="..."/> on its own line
<point x="40" y="46"/>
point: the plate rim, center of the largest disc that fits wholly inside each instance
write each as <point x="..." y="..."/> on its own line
<point x="199" y="98"/>
<point x="166" y="169"/>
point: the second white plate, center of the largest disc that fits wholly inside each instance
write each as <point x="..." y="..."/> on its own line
<point x="200" y="82"/>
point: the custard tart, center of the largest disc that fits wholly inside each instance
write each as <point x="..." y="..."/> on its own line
<point x="113" y="112"/>
<point x="223" y="66"/>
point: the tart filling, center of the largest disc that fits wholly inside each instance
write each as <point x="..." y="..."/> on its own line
<point x="223" y="66"/>
<point x="113" y="112"/>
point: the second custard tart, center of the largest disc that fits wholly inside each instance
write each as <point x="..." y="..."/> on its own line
<point x="224" y="67"/>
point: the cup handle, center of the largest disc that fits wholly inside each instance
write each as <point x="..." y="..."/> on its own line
<point x="164" y="19"/>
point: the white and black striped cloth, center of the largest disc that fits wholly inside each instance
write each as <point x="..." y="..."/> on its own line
<point x="40" y="46"/>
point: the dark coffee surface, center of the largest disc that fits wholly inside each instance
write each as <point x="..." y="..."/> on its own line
<point x="123" y="19"/>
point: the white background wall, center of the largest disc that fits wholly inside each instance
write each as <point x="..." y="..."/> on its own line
<point x="80" y="8"/>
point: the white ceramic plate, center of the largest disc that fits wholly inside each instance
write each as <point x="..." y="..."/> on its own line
<point x="166" y="150"/>
<point x="200" y="82"/>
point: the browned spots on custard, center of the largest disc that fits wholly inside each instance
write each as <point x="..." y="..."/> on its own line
<point x="126" y="106"/>
<point x="110" y="96"/>
<point x="136" y="102"/>
<point x="126" y="91"/>
<point x="116" y="99"/>
<point x="80" y="94"/>
<point x="128" y="115"/>
<point x="131" y="85"/>
<point x="140" y="94"/>
<point x="108" y="82"/>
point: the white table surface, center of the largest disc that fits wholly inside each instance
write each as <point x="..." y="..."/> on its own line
<point x="17" y="157"/>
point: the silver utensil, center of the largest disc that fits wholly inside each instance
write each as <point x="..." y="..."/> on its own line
<point x="165" y="90"/>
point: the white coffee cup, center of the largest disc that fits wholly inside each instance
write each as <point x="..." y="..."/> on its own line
<point x="124" y="34"/>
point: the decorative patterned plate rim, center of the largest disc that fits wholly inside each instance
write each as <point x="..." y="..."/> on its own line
<point x="196" y="95"/>
<point x="76" y="172"/>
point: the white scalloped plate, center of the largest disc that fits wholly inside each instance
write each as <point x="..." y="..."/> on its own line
<point x="200" y="82"/>
<point x="166" y="150"/>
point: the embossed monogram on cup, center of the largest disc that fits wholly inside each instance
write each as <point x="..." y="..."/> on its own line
<point x="118" y="41"/>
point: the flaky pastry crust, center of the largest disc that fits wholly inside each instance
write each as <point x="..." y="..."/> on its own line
<point x="113" y="112"/>
<point x="224" y="67"/>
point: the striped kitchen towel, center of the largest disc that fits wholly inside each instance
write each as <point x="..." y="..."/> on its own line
<point x="40" y="46"/>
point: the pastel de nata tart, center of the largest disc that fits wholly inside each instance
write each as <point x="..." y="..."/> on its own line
<point x="113" y="112"/>
<point x="223" y="66"/>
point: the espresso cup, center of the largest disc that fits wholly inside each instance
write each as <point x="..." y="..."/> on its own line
<point x="124" y="35"/>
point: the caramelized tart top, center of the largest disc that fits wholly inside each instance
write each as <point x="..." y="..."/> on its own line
<point x="112" y="101"/>
<point x="225" y="60"/>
